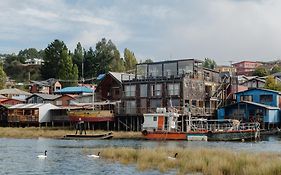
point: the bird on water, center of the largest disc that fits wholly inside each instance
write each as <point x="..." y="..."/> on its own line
<point x="43" y="156"/>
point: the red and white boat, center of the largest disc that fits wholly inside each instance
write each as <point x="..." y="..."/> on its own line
<point x="163" y="125"/>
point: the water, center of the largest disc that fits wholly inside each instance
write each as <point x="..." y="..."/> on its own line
<point x="19" y="156"/>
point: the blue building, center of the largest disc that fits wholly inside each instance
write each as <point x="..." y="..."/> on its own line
<point x="260" y="105"/>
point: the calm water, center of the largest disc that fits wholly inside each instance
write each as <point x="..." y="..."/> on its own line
<point x="19" y="156"/>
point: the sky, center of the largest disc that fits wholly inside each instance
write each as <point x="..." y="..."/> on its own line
<point x="223" y="30"/>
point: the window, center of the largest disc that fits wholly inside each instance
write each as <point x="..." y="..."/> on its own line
<point x="130" y="107"/>
<point x="185" y="67"/>
<point x="170" y="69"/>
<point x="142" y="71"/>
<point x="174" y="89"/>
<point x="155" y="103"/>
<point x="143" y="90"/>
<point x="266" y="98"/>
<point x="156" y="90"/>
<point x="173" y="102"/>
<point x="155" y="118"/>
<point x="246" y="98"/>
<point x="155" y="70"/>
<point x="130" y="90"/>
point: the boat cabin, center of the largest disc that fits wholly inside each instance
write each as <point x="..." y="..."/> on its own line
<point x="161" y="120"/>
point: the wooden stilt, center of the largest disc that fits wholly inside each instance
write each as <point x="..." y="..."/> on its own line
<point x="107" y="125"/>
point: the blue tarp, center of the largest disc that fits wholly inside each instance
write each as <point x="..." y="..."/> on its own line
<point x="101" y="76"/>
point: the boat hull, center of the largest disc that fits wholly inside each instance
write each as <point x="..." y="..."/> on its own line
<point x="202" y="136"/>
<point x="162" y="135"/>
<point x="233" y="135"/>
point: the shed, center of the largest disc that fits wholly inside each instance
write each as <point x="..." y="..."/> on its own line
<point x="247" y="111"/>
<point x="30" y="113"/>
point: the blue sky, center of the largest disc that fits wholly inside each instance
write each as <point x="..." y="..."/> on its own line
<point x="225" y="30"/>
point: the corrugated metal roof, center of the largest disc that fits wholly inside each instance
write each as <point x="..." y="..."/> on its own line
<point x="29" y="106"/>
<point x="74" y="90"/>
<point x="14" y="91"/>
<point x="122" y="76"/>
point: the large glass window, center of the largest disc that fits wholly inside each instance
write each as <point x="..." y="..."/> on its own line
<point x="174" y="89"/>
<point x="155" y="70"/>
<point x="141" y="71"/>
<point x="170" y="69"/>
<point x="173" y="102"/>
<point x="185" y="66"/>
<point x="130" y="90"/>
<point x="130" y="107"/>
<point x="156" y="90"/>
<point x="143" y="90"/>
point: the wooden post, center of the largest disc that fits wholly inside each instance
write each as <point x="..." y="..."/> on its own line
<point x="53" y="124"/>
<point x="118" y="125"/>
<point x="88" y="125"/>
<point x="126" y="123"/>
<point x="137" y="123"/>
<point x="131" y="129"/>
<point x="107" y="125"/>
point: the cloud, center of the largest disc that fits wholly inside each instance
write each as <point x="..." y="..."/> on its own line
<point x="221" y="29"/>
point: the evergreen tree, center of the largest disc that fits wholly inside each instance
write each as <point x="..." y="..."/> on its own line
<point x="117" y="64"/>
<point x="3" y="77"/>
<point x="52" y="59"/>
<point x="78" y="57"/>
<point x="104" y="55"/>
<point x="67" y="71"/>
<point x="90" y="64"/>
<point x="130" y="59"/>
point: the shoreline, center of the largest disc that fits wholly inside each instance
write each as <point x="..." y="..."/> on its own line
<point x="59" y="133"/>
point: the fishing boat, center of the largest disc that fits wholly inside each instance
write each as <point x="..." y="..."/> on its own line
<point x="163" y="125"/>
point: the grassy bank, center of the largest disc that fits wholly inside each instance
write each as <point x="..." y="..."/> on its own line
<point x="206" y="161"/>
<point x="35" y="132"/>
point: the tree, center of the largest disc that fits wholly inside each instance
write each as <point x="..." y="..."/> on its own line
<point x="117" y="64"/>
<point x="90" y="65"/>
<point x="275" y="69"/>
<point x="3" y="77"/>
<point x="52" y="59"/>
<point x="78" y="57"/>
<point x="209" y="63"/>
<point x="104" y="55"/>
<point x="130" y="59"/>
<point x="148" y="61"/>
<point x="260" y="71"/>
<point x="271" y="83"/>
<point x="67" y="71"/>
<point x="25" y="54"/>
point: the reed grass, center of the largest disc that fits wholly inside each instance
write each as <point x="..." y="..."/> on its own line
<point x="205" y="161"/>
<point x="35" y="132"/>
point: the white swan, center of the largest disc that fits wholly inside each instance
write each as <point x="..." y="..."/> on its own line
<point x="94" y="156"/>
<point x="43" y="156"/>
<point x="173" y="158"/>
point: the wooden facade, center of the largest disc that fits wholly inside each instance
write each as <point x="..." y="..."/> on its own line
<point x="184" y="84"/>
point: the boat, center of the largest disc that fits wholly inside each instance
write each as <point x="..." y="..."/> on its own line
<point x="88" y="115"/>
<point x="164" y="125"/>
<point x="108" y="135"/>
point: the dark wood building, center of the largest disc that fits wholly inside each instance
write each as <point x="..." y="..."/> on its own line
<point x="183" y="84"/>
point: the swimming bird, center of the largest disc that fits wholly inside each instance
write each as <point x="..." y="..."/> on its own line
<point x="94" y="156"/>
<point x="173" y="158"/>
<point x="43" y="156"/>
